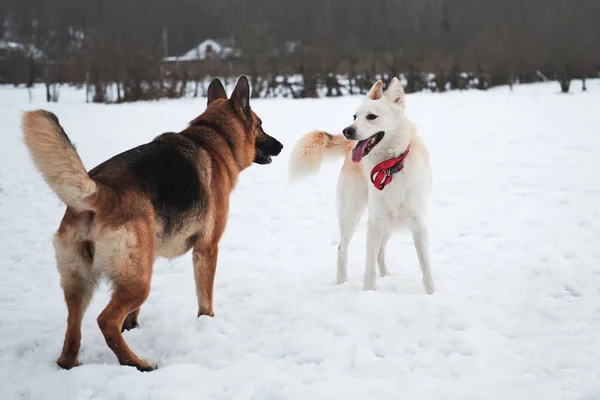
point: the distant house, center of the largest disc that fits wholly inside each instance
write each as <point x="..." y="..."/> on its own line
<point x="211" y="57"/>
<point x="209" y="49"/>
<point x="11" y="44"/>
<point x="19" y="62"/>
<point x="27" y="50"/>
<point x="6" y="48"/>
<point x="218" y="57"/>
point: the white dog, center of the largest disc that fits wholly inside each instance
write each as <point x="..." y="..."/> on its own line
<point x="386" y="166"/>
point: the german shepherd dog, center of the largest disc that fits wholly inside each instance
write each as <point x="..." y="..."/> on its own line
<point x="160" y="199"/>
<point x="387" y="168"/>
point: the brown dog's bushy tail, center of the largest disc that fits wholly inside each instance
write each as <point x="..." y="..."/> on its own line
<point x="312" y="149"/>
<point x="56" y="158"/>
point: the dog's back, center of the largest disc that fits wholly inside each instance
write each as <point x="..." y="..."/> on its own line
<point x="163" y="171"/>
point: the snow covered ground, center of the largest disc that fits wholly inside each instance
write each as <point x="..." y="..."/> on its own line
<point x="514" y="224"/>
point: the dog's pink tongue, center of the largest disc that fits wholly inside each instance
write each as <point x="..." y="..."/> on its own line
<point x="359" y="151"/>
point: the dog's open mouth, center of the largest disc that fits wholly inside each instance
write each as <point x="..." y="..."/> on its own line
<point x="260" y="157"/>
<point x="364" y="147"/>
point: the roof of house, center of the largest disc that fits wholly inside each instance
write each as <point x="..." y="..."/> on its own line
<point x="224" y="49"/>
<point x="29" y="49"/>
<point x="209" y="48"/>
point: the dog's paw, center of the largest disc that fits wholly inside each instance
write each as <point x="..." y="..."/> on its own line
<point x="144" y="366"/>
<point x="208" y="313"/>
<point x="129" y="325"/>
<point x="131" y="321"/>
<point x="370" y="281"/>
<point x="429" y="287"/>
<point x="67" y="363"/>
<point x="369" y="285"/>
<point x="341" y="279"/>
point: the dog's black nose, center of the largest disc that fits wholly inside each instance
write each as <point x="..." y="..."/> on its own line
<point x="349" y="132"/>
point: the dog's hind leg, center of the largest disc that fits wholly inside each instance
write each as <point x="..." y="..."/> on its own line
<point x="78" y="282"/>
<point x="351" y="199"/>
<point x="375" y="232"/>
<point x="383" y="269"/>
<point x="129" y="254"/>
<point x="421" y="241"/>
<point x="126" y="296"/>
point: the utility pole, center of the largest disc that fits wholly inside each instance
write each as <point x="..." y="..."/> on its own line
<point x="165" y="46"/>
<point x="165" y="41"/>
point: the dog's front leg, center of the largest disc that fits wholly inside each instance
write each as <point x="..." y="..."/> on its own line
<point x="374" y="235"/>
<point x="205" y="265"/>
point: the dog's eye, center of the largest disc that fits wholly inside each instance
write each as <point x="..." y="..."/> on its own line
<point x="371" y="117"/>
<point x="354" y="117"/>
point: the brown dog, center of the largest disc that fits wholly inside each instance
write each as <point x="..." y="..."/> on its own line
<point x="159" y="199"/>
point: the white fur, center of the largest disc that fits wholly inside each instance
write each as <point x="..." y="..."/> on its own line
<point x="402" y="203"/>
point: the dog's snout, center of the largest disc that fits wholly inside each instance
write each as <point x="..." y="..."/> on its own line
<point x="349" y="132"/>
<point x="279" y="147"/>
<point x="270" y="145"/>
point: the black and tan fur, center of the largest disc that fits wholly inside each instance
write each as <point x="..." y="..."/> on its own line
<point x="159" y="199"/>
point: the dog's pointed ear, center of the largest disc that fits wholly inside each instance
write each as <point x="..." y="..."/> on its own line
<point x="216" y="91"/>
<point x="395" y="92"/>
<point x="376" y="93"/>
<point x="240" y="98"/>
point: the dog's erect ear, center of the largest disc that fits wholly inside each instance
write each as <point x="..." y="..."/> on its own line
<point x="395" y="92"/>
<point x="240" y="98"/>
<point x="216" y="91"/>
<point x="376" y="93"/>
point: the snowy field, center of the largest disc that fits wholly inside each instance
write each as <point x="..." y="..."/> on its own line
<point x="515" y="239"/>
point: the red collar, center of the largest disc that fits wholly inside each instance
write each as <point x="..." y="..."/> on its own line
<point x="381" y="174"/>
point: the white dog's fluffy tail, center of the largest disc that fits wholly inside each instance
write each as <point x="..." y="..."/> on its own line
<point x="312" y="149"/>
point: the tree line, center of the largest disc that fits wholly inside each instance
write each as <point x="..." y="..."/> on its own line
<point x="115" y="48"/>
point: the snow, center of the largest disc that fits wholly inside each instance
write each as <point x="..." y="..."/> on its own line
<point x="514" y="225"/>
